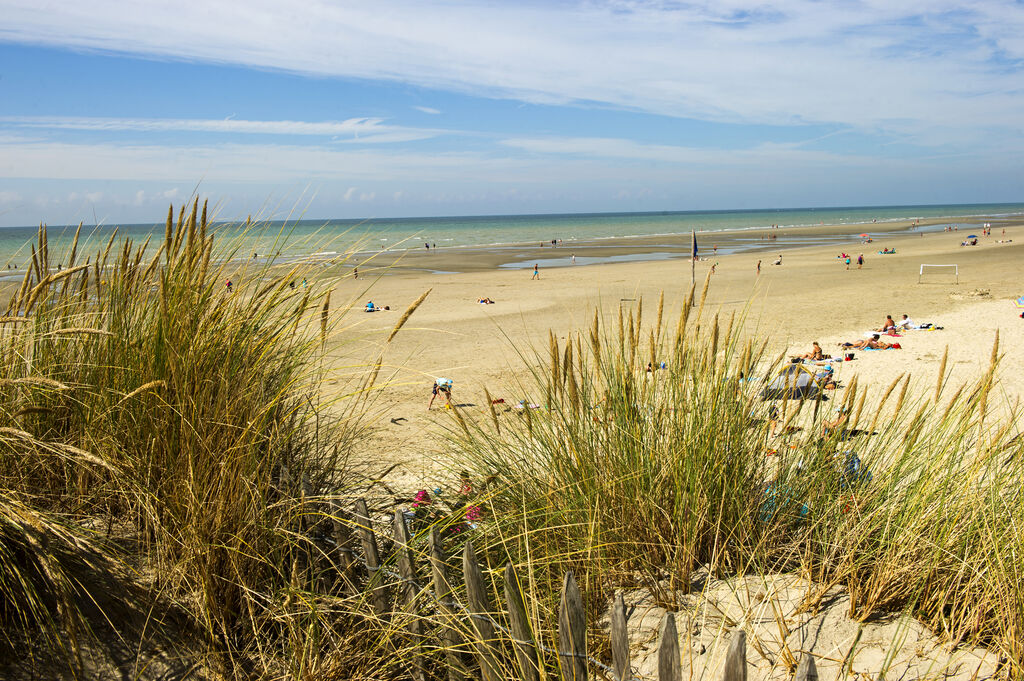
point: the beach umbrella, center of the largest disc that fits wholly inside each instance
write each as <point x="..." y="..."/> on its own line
<point x="1019" y="302"/>
<point x="864" y="235"/>
<point x="972" y="236"/>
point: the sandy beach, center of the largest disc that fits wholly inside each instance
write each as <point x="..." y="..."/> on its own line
<point x="810" y="297"/>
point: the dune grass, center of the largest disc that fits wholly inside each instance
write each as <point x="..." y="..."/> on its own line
<point x="634" y="478"/>
<point x="176" y="428"/>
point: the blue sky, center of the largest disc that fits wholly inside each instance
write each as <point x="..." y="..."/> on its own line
<point x="111" y="110"/>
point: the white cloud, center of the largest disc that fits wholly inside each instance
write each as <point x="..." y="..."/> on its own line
<point x="427" y="110"/>
<point x="876" y="64"/>
<point x="363" y="130"/>
<point x="349" y="193"/>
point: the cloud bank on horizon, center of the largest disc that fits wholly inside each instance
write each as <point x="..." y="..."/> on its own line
<point x="412" y="108"/>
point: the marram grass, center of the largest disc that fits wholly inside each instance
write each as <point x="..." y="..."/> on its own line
<point x="636" y="478"/>
<point x="175" y="428"/>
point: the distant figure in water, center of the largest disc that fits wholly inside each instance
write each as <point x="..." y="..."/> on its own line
<point x="573" y="258"/>
<point x="536" y="272"/>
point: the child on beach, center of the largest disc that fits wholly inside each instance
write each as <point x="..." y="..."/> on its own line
<point x="536" y="272"/>
<point x="442" y="386"/>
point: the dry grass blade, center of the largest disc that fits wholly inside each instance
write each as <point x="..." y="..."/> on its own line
<point x="40" y="381"/>
<point x="408" y="313"/>
<point x="152" y="385"/>
<point x="80" y="330"/>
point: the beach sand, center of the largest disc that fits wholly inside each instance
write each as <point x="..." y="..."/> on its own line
<point x="811" y="296"/>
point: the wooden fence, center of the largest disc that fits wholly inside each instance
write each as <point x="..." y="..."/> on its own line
<point x="426" y="594"/>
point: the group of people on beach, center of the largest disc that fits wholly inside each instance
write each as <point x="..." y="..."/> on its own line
<point x="845" y="257"/>
<point x="890" y="327"/>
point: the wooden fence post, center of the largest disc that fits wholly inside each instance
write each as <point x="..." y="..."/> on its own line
<point x="369" y="541"/>
<point x="408" y="590"/>
<point x="572" y="632"/>
<point x="526" y="651"/>
<point x="736" y="658"/>
<point x="443" y="595"/>
<point x="807" y="670"/>
<point x="485" y="645"/>
<point x="620" y="640"/>
<point x="345" y="560"/>
<point x="669" y="665"/>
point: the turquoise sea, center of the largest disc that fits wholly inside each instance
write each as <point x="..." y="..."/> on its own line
<point x="322" y="238"/>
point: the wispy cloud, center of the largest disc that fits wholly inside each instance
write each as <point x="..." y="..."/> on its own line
<point x="874" y="64"/>
<point x="365" y="130"/>
<point x="427" y="110"/>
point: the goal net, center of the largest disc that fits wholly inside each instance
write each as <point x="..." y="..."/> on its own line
<point x="946" y="270"/>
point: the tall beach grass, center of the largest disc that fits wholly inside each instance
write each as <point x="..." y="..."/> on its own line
<point x="632" y="477"/>
<point x="173" y="427"/>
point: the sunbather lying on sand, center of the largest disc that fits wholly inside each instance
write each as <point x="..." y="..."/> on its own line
<point x="871" y="344"/>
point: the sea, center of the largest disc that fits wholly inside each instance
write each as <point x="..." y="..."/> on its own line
<point x="300" y="239"/>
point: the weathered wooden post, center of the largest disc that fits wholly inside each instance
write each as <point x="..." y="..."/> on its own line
<point x="572" y="632"/>
<point x="620" y="640"/>
<point x="408" y="590"/>
<point x="526" y="651"/>
<point x="736" y="658"/>
<point x="485" y="645"/>
<point x="345" y="560"/>
<point x="406" y="566"/>
<point x="368" y="539"/>
<point x="443" y="595"/>
<point x="669" y="664"/>
<point x="807" y="670"/>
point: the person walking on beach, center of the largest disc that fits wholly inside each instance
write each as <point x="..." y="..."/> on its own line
<point x="759" y="268"/>
<point x="847" y="262"/>
<point x="860" y="261"/>
<point x="536" y="272"/>
<point x="573" y="258"/>
<point x="355" y="272"/>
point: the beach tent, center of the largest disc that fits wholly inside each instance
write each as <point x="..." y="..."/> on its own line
<point x="797" y="381"/>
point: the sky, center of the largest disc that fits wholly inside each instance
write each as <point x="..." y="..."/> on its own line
<point x="109" y="111"/>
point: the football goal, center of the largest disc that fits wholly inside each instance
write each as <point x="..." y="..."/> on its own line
<point x="926" y="269"/>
